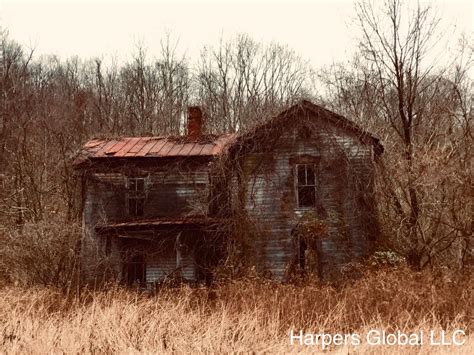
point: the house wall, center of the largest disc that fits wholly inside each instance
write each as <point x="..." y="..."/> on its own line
<point x="160" y="267"/>
<point x="172" y="190"/>
<point x="345" y="203"/>
<point x="263" y="192"/>
<point x="165" y="256"/>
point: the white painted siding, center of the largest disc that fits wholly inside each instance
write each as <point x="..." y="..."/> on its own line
<point x="158" y="267"/>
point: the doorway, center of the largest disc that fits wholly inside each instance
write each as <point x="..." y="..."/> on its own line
<point x="135" y="270"/>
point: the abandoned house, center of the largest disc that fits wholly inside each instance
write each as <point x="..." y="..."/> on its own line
<point x="294" y="195"/>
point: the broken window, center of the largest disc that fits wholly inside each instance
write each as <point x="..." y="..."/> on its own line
<point x="108" y="245"/>
<point x="135" y="270"/>
<point x="306" y="257"/>
<point x="305" y="185"/>
<point x="301" y="254"/>
<point x="136" y="196"/>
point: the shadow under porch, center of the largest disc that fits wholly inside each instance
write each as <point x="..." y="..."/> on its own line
<point x="150" y="253"/>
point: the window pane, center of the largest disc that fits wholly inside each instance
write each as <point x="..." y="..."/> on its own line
<point x="132" y="184"/>
<point x="309" y="175"/>
<point x="108" y="245"/>
<point x="136" y="206"/>
<point x="136" y="270"/>
<point x="140" y="204"/>
<point x="301" y="175"/>
<point x="132" y="206"/>
<point x="306" y="196"/>
<point x="302" y="254"/>
<point x="140" y="184"/>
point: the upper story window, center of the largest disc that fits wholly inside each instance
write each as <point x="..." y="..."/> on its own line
<point x="136" y="196"/>
<point x="305" y="185"/>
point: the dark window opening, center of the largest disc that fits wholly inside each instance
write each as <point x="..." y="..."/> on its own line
<point x="301" y="254"/>
<point x="136" y="184"/>
<point x="136" y="196"/>
<point x="108" y="245"/>
<point x="306" y="196"/>
<point x="300" y="260"/>
<point x="135" y="206"/>
<point x="306" y="185"/>
<point x="306" y="258"/>
<point x="136" y="270"/>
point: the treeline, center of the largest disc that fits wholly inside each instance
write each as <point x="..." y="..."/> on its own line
<point x="421" y="110"/>
<point x="50" y="107"/>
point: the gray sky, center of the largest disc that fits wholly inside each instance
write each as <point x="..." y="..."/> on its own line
<point x="317" y="30"/>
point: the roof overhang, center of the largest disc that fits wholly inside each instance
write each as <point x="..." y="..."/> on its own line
<point x="141" y="148"/>
<point x="162" y="224"/>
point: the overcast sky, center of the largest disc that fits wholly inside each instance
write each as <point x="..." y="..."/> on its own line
<point x="317" y="30"/>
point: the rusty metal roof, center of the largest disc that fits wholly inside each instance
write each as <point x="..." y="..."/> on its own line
<point x="209" y="145"/>
<point x="122" y="147"/>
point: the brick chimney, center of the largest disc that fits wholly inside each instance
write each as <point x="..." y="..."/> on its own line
<point x="194" y="122"/>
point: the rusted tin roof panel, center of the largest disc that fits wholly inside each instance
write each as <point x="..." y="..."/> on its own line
<point x="131" y="142"/>
<point x="137" y="147"/>
<point x="196" y="150"/>
<point x="116" y="147"/>
<point x="187" y="148"/>
<point x="105" y="147"/>
<point x="207" y="149"/>
<point x="149" y="144"/>
<point x="166" y="150"/>
<point x="156" y="146"/>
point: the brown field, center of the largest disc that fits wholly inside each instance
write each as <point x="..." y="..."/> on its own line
<point x="238" y="316"/>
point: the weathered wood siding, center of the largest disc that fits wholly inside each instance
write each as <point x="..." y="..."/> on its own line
<point x="172" y="190"/>
<point x="344" y="178"/>
<point x="262" y="191"/>
<point x="161" y="267"/>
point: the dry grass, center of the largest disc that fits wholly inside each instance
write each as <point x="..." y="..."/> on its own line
<point x="233" y="317"/>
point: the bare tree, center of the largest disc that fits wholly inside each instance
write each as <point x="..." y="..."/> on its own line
<point x="242" y="82"/>
<point x="155" y="93"/>
<point x="399" y="90"/>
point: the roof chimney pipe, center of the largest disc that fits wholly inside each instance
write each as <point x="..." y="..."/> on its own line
<point x="194" y="122"/>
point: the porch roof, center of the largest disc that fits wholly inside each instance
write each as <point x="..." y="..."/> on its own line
<point x="161" y="223"/>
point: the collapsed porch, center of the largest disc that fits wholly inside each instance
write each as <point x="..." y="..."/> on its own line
<point x="154" y="251"/>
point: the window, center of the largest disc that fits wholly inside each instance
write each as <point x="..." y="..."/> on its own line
<point x="108" y="245"/>
<point x="135" y="270"/>
<point x="305" y="185"/>
<point x="136" y="196"/>
<point x="301" y="254"/>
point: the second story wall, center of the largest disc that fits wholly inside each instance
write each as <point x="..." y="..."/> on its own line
<point x="143" y="192"/>
<point x="318" y="172"/>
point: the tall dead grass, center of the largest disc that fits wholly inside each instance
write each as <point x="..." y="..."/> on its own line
<point x="248" y="315"/>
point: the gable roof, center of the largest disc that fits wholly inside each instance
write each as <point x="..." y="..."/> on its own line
<point x="318" y="112"/>
<point x="153" y="147"/>
<point x="212" y="145"/>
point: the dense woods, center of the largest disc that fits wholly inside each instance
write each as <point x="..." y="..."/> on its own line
<point x="394" y="87"/>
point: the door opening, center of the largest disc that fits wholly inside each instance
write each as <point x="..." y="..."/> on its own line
<point x="136" y="270"/>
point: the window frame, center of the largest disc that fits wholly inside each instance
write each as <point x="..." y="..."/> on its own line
<point x="298" y="185"/>
<point x="137" y="195"/>
<point x="135" y="269"/>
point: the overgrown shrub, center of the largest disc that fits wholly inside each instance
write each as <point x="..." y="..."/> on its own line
<point x="44" y="253"/>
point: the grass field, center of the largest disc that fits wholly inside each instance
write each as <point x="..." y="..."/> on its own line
<point x="238" y="316"/>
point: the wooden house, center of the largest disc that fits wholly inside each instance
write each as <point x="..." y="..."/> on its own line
<point x="293" y="196"/>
